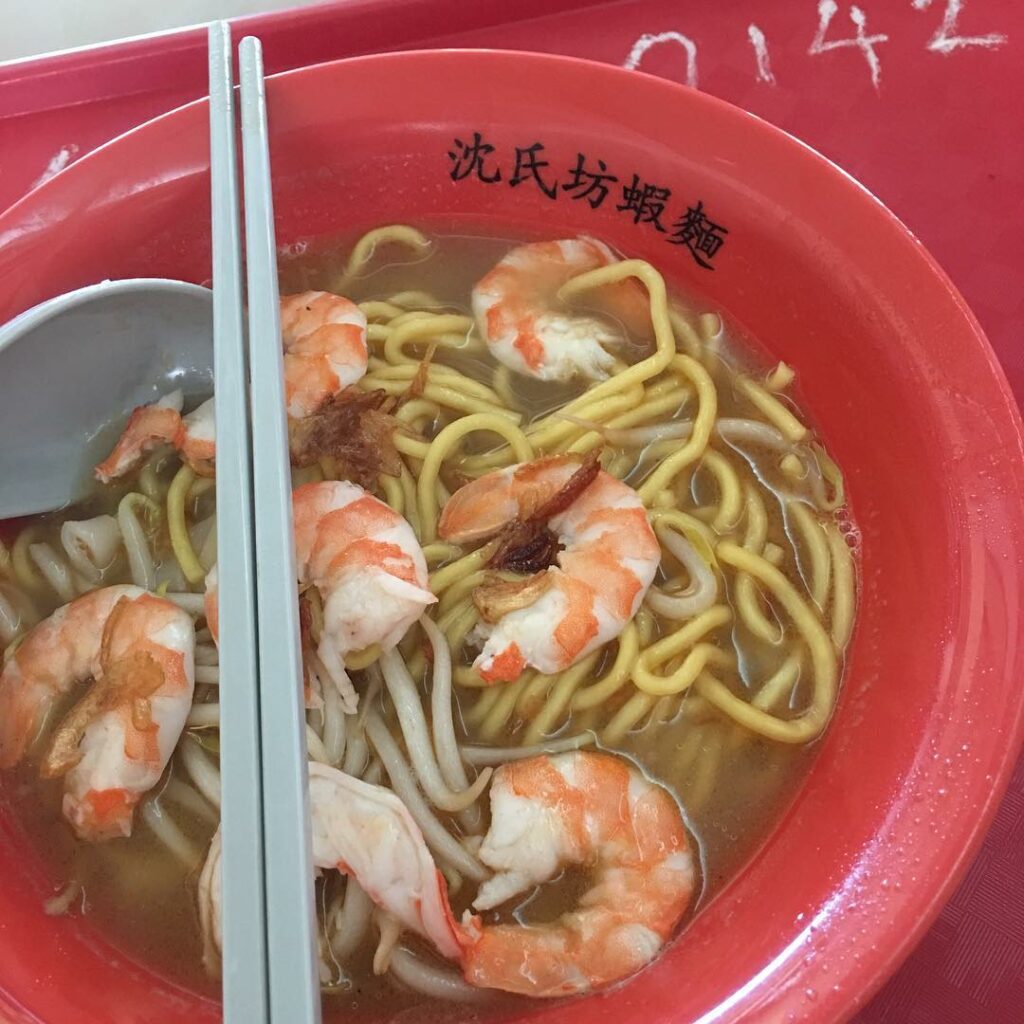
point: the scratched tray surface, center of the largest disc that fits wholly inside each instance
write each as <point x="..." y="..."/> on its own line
<point x="912" y="97"/>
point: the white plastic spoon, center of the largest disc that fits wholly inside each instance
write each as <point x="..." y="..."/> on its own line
<point x="72" y="368"/>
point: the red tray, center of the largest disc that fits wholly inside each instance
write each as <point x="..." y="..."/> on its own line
<point x="908" y="97"/>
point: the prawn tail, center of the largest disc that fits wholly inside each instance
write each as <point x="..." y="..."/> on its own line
<point x="450" y="941"/>
<point x="406" y="590"/>
<point x="469" y="931"/>
<point x="541" y="965"/>
<point x="335" y="665"/>
<point x="147" y="427"/>
<point x="101" y="813"/>
<point x="504" y="666"/>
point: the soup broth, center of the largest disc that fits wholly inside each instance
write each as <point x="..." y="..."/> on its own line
<point x="761" y="487"/>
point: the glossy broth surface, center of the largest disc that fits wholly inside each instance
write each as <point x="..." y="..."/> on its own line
<point x="733" y="785"/>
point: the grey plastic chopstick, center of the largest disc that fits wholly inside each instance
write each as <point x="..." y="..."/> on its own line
<point x="291" y="938"/>
<point x="243" y="914"/>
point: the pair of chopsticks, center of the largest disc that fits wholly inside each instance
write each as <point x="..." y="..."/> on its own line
<point x="268" y="919"/>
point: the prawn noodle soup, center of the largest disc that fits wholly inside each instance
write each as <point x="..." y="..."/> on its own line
<point x="700" y="653"/>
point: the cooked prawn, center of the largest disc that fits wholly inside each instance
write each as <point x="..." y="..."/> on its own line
<point x="324" y="349"/>
<point x="516" y="310"/>
<point x="150" y="426"/>
<point x="366" y="832"/>
<point x="366" y="562"/>
<point x="113" y="745"/>
<point x="324" y="338"/>
<point x="547" y="813"/>
<point x="579" y="809"/>
<point x="608" y="560"/>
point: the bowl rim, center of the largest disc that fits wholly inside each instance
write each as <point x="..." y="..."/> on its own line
<point x="900" y="936"/>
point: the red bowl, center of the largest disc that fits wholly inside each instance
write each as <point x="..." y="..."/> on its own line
<point x="893" y="368"/>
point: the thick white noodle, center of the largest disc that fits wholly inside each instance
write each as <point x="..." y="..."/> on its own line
<point x="438" y="838"/>
<point x="191" y="603"/>
<point x="10" y="620"/>
<point x="702" y="591"/>
<point x="91" y="545"/>
<point x="136" y="546"/>
<point x="200" y="535"/>
<point x="389" y="930"/>
<point x="315" y="746"/>
<point x="203" y="716"/>
<point x="335" y="726"/>
<point x="639" y="437"/>
<point x="169" y="834"/>
<point x="735" y="430"/>
<point x="374" y="773"/>
<point x="436" y="982"/>
<point x="413" y="722"/>
<point x="201" y="771"/>
<point x="499" y="755"/>
<point x="57" y="906"/>
<point x="206" y="654"/>
<point x="55" y="571"/>
<point x="351" y="921"/>
<point x="445" y="745"/>
<point x="745" y="431"/>
<point x="357" y="754"/>
<point x="17" y="611"/>
<point x="169" y="575"/>
<point x="184" y="795"/>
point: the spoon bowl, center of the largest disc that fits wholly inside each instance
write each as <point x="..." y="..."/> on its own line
<point x="73" y="366"/>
